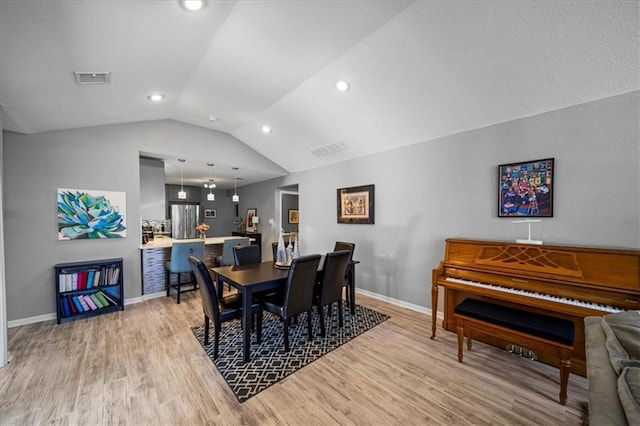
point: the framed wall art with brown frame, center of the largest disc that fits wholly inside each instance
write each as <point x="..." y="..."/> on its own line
<point x="293" y="216"/>
<point x="356" y="205"/>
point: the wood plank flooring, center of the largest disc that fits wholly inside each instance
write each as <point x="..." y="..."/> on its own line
<point x="143" y="366"/>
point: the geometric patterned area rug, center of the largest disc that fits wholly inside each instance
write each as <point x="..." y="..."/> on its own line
<point x="269" y="361"/>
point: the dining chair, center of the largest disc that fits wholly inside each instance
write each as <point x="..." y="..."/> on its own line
<point x="179" y="264"/>
<point x="226" y="257"/>
<point x="246" y="255"/>
<point x="297" y="296"/>
<point x="219" y="310"/>
<point x="329" y="289"/>
<point x="344" y="245"/>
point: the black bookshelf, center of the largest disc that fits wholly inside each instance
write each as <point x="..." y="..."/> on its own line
<point x="88" y="288"/>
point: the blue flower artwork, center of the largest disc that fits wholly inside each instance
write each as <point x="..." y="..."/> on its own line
<point x="85" y="215"/>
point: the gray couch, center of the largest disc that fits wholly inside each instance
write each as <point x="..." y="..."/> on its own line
<point x="612" y="345"/>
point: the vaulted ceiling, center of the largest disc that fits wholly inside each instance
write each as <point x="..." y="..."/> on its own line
<point x="417" y="70"/>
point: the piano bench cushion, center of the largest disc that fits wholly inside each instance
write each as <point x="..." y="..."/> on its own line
<point x="556" y="329"/>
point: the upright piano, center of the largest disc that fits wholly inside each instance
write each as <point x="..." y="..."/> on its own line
<point x="560" y="281"/>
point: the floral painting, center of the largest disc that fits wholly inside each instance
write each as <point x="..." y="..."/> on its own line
<point x="91" y="214"/>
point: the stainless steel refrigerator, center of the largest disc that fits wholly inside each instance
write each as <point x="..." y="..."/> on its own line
<point x="184" y="219"/>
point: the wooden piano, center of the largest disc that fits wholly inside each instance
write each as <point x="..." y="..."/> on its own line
<point x="559" y="281"/>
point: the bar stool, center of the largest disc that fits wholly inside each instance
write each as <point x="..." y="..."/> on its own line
<point x="179" y="264"/>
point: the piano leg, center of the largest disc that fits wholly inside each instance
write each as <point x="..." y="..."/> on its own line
<point x="565" y="368"/>
<point x="460" y="330"/>
<point x="434" y="310"/>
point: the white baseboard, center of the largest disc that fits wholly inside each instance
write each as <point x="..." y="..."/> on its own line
<point x="398" y="302"/>
<point x="31" y="320"/>
<point x="131" y="301"/>
<point x="52" y="316"/>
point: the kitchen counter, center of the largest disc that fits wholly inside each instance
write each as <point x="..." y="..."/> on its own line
<point x="164" y="242"/>
<point x="157" y="252"/>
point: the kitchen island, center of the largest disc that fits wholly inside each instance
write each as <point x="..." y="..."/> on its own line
<point x="157" y="252"/>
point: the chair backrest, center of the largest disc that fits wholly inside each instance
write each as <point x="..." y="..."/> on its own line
<point x="300" y="282"/>
<point x="343" y="245"/>
<point x="246" y="255"/>
<point x="333" y="276"/>
<point x="207" y="290"/>
<point x="180" y="252"/>
<point x="227" y="248"/>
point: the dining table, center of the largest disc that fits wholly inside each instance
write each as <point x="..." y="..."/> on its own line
<point x="265" y="276"/>
<point x="249" y="279"/>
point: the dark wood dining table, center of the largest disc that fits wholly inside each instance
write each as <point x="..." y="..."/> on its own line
<point x="249" y="279"/>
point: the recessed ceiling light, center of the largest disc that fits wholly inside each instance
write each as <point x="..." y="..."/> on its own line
<point x="156" y="97"/>
<point x="266" y="129"/>
<point x="342" y="85"/>
<point x="193" y="5"/>
<point x="212" y="118"/>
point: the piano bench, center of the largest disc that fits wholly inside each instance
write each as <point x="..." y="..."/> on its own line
<point x="538" y="332"/>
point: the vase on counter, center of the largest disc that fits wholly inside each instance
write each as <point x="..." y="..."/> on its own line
<point x="203" y="236"/>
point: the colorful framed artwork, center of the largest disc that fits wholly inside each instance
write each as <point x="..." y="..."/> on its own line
<point x="91" y="214"/>
<point x="356" y="205"/>
<point x="293" y="216"/>
<point x="525" y="189"/>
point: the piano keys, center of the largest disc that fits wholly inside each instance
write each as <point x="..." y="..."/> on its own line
<point x="561" y="281"/>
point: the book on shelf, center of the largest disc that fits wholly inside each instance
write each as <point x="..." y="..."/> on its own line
<point x="104" y="301"/>
<point x="82" y="280"/>
<point x="72" y="306"/>
<point x="65" y="306"/>
<point x="90" y="303"/>
<point x="85" y="307"/>
<point x="109" y="299"/>
<point x="96" y="301"/>
<point x="76" y="301"/>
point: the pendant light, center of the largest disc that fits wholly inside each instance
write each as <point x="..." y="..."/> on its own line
<point x="236" y="197"/>
<point x="212" y="184"/>
<point x="182" y="195"/>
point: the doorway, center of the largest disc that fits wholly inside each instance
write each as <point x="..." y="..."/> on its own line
<point x="287" y="210"/>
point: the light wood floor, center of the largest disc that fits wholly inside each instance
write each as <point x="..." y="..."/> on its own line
<point x="143" y="366"/>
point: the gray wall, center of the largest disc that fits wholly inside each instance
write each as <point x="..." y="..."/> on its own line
<point x="104" y="158"/>
<point x="448" y="188"/>
<point x="152" y="198"/>
<point x="424" y="193"/>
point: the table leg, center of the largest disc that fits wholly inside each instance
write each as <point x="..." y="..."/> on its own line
<point x="352" y="288"/>
<point x="246" y="322"/>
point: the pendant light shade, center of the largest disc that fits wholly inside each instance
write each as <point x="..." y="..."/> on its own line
<point x="236" y="197"/>
<point x="181" y="194"/>
<point x="212" y="184"/>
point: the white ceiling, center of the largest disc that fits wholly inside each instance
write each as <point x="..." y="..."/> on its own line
<point x="418" y="70"/>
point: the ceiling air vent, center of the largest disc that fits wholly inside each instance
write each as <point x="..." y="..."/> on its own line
<point x="92" y="77"/>
<point x="329" y="149"/>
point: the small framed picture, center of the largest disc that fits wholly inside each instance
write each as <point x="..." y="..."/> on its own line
<point x="209" y="213"/>
<point x="250" y="214"/>
<point x="293" y="216"/>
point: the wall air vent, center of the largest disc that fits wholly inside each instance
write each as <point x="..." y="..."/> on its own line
<point x="329" y="149"/>
<point x="92" y="77"/>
